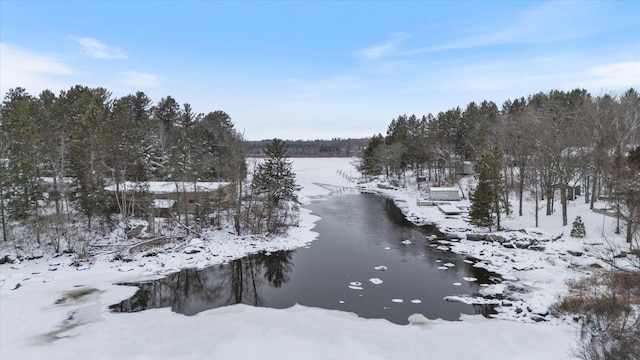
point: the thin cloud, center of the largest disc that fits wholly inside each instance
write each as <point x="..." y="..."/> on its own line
<point x="615" y="75"/>
<point x="383" y="49"/>
<point x="21" y="67"/>
<point x="140" y="80"/>
<point x="96" y="49"/>
<point x="551" y="22"/>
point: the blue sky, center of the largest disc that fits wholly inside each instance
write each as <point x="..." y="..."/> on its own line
<point x="323" y="69"/>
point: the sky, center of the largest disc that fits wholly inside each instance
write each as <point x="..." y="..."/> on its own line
<point x="321" y="69"/>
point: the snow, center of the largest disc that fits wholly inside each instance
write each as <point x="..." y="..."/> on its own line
<point x="166" y="187"/>
<point x="51" y="309"/>
<point x="375" y="281"/>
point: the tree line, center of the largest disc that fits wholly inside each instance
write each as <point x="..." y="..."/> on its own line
<point x="58" y="152"/>
<point x="539" y="145"/>
<point x="335" y="147"/>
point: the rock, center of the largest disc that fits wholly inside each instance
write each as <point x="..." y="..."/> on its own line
<point x="476" y="237"/>
<point x="622" y="254"/>
<point x="6" y="260"/>
<point x="497" y="238"/>
<point x="574" y="253"/>
<point x="537" y="318"/>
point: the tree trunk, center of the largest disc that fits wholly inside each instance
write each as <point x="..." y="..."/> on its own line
<point x="563" y="201"/>
<point x="594" y="194"/>
<point x="521" y="189"/>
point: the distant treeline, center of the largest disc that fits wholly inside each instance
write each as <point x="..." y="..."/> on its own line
<point x="315" y="148"/>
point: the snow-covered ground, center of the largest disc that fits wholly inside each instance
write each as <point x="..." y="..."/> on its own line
<point x="50" y="309"/>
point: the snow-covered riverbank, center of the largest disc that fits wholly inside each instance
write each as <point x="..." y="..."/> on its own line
<point x="51" y="309"/>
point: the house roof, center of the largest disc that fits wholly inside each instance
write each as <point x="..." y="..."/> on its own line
<point x="167" y="187"/>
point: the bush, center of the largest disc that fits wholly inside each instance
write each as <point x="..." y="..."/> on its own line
<point x="608" y="307"/>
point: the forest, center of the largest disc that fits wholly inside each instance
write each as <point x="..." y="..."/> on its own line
<point x="335" y="147"/>
<point x="60" y="153"/>
<point x="76" y="164"/>
<point x="540" y="146"/>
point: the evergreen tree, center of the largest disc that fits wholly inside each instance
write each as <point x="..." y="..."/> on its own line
<point x="275" y="180"/>
<point x="485" y="201"/>
<point x="578" y="230"/>
<point x="481" y="213"/>
<point x="370" y="163"/>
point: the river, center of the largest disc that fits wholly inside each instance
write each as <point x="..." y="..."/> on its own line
<point x="367" y="260"/>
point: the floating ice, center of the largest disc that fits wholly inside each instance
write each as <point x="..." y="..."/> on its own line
<point x="469" y="278"/>
<point x="352" y="287"/>
<point x="397" y="300"/>
<point x="381" y="268"/>
<point x="457" y="284"/>
<point x="355" y="283"/>
<point x="468" y="261"/>
<point x="387" y="248"/>
<point x="438" y="260"/>
<point x="341" y="301"/>
<point x="442" y="267"/>
<point x="376" y="281"/>
<point x="418" y="319"/>
<point x="406" y="242"/>
<point x="449" y="264"/>
<point x="416" y="301"/>
<point x="444" y="248"/>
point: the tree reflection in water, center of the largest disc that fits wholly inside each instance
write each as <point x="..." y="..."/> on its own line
<point x="191" y="291"/>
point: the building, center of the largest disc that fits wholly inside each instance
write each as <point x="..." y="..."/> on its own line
<point x="444" y="194"/>
<point x="185" y="197"/>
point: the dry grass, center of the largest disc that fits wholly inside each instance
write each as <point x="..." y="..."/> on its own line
<point x="608" y="306"/>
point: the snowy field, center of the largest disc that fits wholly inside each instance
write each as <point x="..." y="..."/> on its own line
<point x="50" y="309"/>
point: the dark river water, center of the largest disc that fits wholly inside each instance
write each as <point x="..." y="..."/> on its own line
<point x="358" y="233"/>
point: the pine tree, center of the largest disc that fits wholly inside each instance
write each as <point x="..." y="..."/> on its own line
<point x="485" y="201"/>
<point x="276" y="181"/>
<point x="481" y="213"/>
<point x="578" y="230"/>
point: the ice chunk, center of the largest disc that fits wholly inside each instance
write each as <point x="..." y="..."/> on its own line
<point x="442" y="267"/>
<point x="449" y="265"/>
<point x="397" y="300"/>
<point x="418" y="319"/>
<point x="469" y="278"/>
<point x="375" y="281"/>
<point x="416" y="301"/>
<point x="352" y="287"/>
<point x="406" y="242"/>
<point x="381" y="268"/>
<point x="457" y="284"/>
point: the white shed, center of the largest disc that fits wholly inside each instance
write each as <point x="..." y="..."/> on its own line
<point x="444" y="194"/>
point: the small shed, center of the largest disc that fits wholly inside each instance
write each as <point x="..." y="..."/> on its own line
<point x="163" y="207"/>
<point x="444" y="194"/>
<point x="467" y="168"/>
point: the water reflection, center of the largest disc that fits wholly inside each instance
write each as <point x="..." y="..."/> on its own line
<point x="191" y="291"/>
<point x="357" y="234"/>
